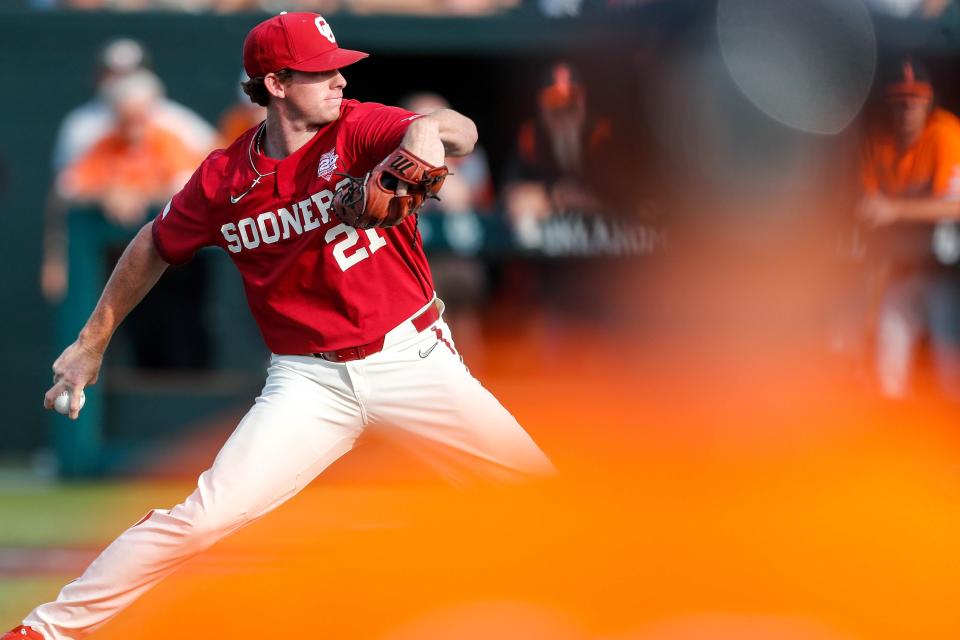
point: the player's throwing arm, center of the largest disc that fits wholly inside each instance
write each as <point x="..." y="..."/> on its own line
<point x="78" y="366"/>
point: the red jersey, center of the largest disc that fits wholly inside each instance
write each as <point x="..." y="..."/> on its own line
<point x="313" y="283"/>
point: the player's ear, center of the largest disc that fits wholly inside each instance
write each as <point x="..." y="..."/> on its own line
<point x="274" y="85"/>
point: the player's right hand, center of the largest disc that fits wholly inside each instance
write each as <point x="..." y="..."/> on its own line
<point x="77" y="367"/>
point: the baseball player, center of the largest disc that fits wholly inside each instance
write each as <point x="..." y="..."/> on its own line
<point x="910" y="175"/>
<point x="323" y="231"/>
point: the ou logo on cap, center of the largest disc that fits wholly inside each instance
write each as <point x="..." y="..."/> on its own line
<point x="324" y="29"/>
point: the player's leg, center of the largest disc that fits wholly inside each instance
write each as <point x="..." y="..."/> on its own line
<point x="305" y="418"/>
<point x="943" y="312"/>
<point x="900" y="325"/>
<point x="427" y="400"/>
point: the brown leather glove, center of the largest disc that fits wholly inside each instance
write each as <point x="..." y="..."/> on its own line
<point x="372" y="201"/>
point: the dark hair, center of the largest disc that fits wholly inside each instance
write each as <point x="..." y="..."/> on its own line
<point x="256" y="90"/>
<point x="904" y="69"/>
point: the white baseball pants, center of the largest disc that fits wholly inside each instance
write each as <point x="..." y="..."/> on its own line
<point x="310" y="413"/>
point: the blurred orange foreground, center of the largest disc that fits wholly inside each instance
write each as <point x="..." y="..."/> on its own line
<point x="712" y="488"/>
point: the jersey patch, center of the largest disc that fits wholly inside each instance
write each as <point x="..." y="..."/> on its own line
<point x="328" y="164"/>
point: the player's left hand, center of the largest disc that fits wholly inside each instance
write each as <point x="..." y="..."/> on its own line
<point x="395" y="189"/>
<point x="878" y="211"/>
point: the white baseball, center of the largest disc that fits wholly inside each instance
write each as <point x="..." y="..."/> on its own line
<point x="62" y="402"/>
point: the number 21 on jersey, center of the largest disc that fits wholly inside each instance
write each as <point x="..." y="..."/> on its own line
<point x="345" y="260"/>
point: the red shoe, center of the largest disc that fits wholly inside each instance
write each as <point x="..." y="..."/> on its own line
<point x="21" y="633"/>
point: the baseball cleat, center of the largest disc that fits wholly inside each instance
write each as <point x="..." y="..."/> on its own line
<point x="21" y="633"/>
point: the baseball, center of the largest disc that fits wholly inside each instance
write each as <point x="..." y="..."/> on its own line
<point x="62" y="403"/>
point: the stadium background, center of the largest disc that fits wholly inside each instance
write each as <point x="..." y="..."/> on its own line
<point x="496" y="54"/>
<point x="724" y="476"/>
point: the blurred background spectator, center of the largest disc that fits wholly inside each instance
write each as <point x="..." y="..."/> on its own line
<point x="87" y="123"/>
<point x="911" y="195"/>
<point x="92" y="121"/>
<point x="137" y="164"/>
<point x="126" y="152"/>
<point x="559" y="157"/>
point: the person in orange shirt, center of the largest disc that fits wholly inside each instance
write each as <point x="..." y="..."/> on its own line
<point x="136" y="165"/>
<point x="910" y="175"/>
<point x="560" y="160"/>
<point x="131" y="171"/>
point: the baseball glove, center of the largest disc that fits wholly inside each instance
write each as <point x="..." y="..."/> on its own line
<point x="372" y="201"/>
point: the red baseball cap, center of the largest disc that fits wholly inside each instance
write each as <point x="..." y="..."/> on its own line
<point x="298" y="41"/>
